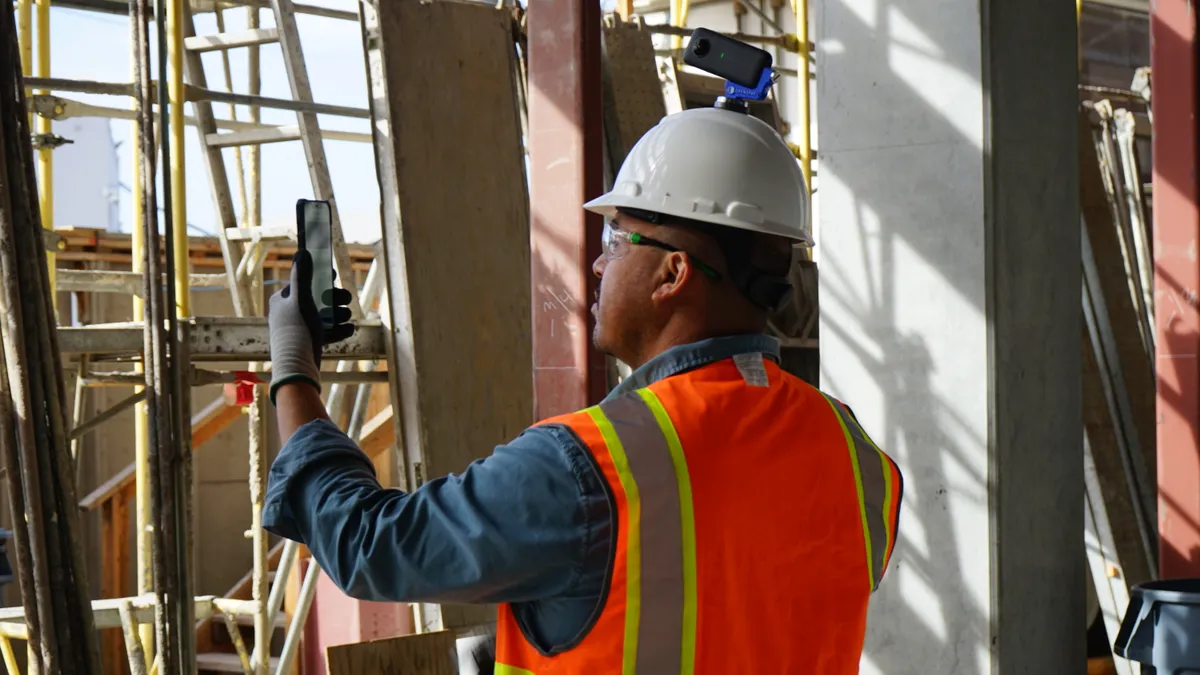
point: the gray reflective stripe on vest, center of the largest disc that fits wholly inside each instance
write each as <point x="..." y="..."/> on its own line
<point x="875" y="491"/>
<point x="660" y="626"/>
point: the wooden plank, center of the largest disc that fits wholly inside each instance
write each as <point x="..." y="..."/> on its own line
<point x="121" y="566"/>
<point x="112" y="643"/>
<point x="107" y="489"/>
<point x="442" y="63"/>
<point x="458" y="179"/>
<point x="212" y="421"/>
<point x="424" y="654"/>
<point x="378" y="433"/>
<point x="377" y="438"/>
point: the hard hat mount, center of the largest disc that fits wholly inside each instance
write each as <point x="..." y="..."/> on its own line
<point x="745" y="68"/>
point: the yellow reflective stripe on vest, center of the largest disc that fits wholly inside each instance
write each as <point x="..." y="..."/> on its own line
<point x="890" y="490"/>
<point x="660" y="565"/>
<point x="502" y="669"/>
<point x="873" y="482"/>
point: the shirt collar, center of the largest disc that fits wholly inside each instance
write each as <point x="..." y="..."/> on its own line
<point x="682" y="358"/>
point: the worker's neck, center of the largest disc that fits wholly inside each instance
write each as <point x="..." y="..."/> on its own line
<point x="683" y="331"/>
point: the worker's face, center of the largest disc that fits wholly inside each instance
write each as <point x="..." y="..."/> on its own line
<point x="625" y="306"/>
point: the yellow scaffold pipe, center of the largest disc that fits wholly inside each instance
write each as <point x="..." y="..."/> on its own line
<point x="141" y="422"/>
<point x="800" y="9"/>
<point x="43" y="128"/>
<point x="177" y="94"/>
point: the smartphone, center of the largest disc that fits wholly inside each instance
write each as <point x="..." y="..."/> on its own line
<point x="314" y="233"/>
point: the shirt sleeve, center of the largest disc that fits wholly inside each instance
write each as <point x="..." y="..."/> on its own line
<point x="513" y="527"/>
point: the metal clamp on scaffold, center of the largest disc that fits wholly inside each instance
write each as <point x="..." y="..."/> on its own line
<point x="745" y="68"/>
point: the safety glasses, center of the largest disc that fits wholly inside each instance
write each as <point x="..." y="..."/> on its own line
<point x="615" y="242"/>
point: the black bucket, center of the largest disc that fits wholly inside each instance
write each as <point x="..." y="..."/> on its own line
<point x="1161" y="627"/>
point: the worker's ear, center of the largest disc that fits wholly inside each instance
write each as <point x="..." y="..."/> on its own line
<point x="675" y="272"/>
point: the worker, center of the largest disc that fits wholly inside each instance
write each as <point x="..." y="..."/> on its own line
<point x="713" y="514"/>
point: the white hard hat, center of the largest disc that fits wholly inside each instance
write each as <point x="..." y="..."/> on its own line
<point x="714" y="166"/>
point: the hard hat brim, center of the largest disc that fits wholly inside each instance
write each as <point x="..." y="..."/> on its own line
<point x="608" y="204"/>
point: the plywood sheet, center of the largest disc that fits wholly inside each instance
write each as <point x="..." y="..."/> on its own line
<point x="456" y="228"/>
<point x="424" y="654"/>
<point x="633" y="97"/>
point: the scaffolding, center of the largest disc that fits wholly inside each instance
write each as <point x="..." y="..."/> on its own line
<point x="167" y="359"/>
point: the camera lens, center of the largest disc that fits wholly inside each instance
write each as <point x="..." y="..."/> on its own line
<point x="701" y="47"/>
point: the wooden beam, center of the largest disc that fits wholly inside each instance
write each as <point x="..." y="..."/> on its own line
<point x="423" y="654"/>
<point x="448" y="366"/>
<point x="212" y="421"/>
<point x="114" y="547"/>
<point x="378" y="434"/>
<point x="102" y="494"/>
<point x="429" y="143"/>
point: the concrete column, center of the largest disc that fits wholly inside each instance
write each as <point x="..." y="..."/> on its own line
<point x="949" y="250"/>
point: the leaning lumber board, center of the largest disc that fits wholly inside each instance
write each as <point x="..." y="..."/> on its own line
<point x="423" y="654"/>
<point x="456" y="232"/>
<point x="455" y="219"/>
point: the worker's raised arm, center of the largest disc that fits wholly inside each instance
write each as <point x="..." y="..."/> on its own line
<point x="512" y="527"/>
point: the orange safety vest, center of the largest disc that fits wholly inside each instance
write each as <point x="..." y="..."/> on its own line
<point x="754" y="518"/>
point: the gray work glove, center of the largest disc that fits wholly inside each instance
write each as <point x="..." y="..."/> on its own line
<point x="298" y="332"/>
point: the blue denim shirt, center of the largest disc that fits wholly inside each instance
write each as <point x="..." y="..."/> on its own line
<point x="532" y="524"/>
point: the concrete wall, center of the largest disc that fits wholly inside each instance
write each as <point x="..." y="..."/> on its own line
<point x="948" y="243"/>
<point x="947" y="226"/>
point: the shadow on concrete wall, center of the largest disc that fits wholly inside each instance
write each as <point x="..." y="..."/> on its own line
<point x="944" y="629"/>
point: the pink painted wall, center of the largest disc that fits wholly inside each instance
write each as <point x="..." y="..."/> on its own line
<point x="337" y="619"/>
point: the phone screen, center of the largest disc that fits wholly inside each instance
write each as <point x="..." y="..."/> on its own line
<point x="314" y="234"/>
